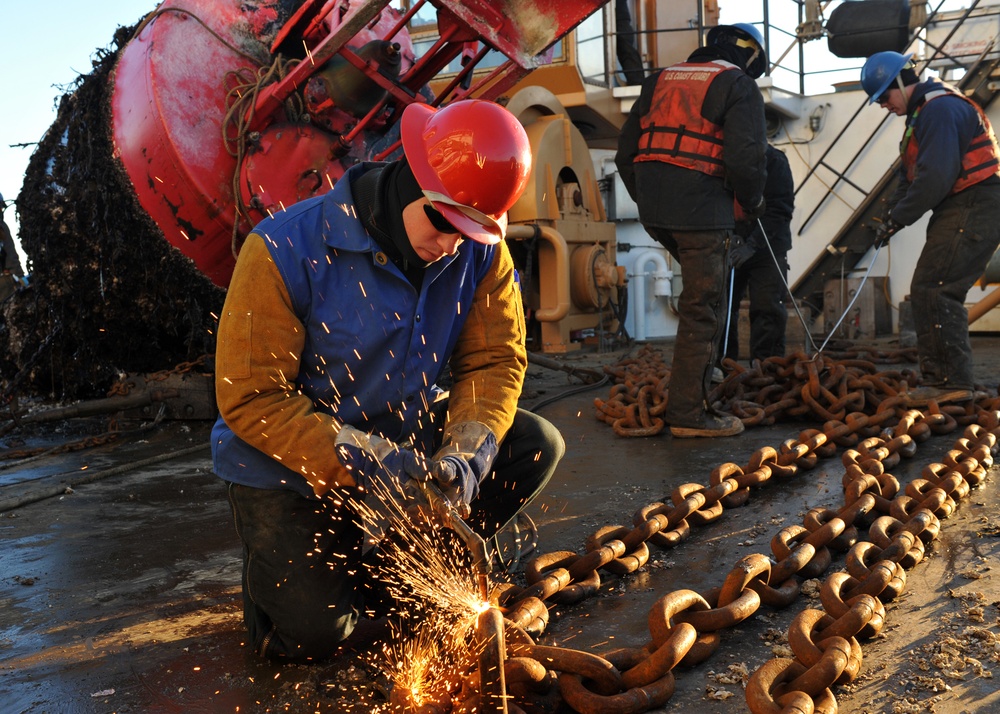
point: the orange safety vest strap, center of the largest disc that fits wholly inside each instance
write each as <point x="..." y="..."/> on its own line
<point x="991" y="159"/>
<point x="981" y="159"/>
<point x="682" y="135"/>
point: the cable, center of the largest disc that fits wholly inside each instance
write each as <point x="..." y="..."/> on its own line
<point x="781" y="274"/>
<point x="854" y="299"/>
<point x="568" y="393"/>
<point x="182" y="11"/>
<point x="243" y="87"/>
<point x="729" y="311"/>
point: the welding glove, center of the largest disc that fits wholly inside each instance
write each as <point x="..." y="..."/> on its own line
<point x="740" y="251"/>
<point x="378" y="464"/>
<point x="465" y="457"/>
<point x="886" y="230"/>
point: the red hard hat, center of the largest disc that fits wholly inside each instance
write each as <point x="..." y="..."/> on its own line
<point x="472" y="160"/>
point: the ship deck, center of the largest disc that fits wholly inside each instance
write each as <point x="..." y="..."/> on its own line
<point x="121" y="594"/>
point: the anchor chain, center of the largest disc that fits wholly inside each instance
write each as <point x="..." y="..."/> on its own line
<point x="825" y="642"/>
<point x="795" y="387"/>
<point x="685" y="625"/>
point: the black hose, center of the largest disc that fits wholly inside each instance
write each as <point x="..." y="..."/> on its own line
<point x="568" y="393"/>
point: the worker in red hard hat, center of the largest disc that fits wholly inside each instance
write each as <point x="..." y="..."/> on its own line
<point x="345" y="313"/>
<point x="950" y="166"/>
<point x="692" y="150"/>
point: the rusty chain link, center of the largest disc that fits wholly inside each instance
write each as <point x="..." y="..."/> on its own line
<point x="825" y="641"/>
<point x="775" y="389"/>
<point x="130" y="382"/>
<point x="87" y="442"/>
<point x="113" y="432"/>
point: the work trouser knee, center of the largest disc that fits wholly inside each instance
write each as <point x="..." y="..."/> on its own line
<point x="764" y="283"/>
<point x="962" y="235"/>
<point x="702" y="308"/>
<point x="768" y="316"/>
<point x="302" y="575"/>
<point x="525" y="461"/>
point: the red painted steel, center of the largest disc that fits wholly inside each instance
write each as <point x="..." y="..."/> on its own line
<point x="169" y="101"/>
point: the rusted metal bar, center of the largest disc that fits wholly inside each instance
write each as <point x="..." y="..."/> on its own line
<point x="93" y="408"/>
<point x="492" y="684"/>
<point x="588" y="375"/>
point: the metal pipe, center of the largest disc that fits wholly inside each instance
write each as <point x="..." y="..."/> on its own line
<point x="274" y="95"/>
<point x="984" y="306"/>
<point x="554" y="238"/>
<point x="94" y="407"/>
<point x="639" y="286"/>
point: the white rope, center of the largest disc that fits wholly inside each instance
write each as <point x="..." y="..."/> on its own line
<point x="795" y="303"/>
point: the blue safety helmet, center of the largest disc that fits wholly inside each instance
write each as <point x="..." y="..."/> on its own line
<point x="745" y="36"/>
<point x="879" y="72"/>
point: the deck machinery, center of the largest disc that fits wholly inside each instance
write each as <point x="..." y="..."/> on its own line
<point x="209" y="116"/>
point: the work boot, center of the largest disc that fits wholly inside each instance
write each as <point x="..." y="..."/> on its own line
<point x="712" y="425"/>
<point x="922" y="396"/>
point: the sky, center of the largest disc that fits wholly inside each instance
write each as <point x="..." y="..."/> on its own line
<point x="46" y="44"/>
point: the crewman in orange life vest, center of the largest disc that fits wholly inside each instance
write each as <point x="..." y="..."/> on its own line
<point x="693" y="142"/>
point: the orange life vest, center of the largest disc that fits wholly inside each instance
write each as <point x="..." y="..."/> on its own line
<point x="674" y="130"/>
<point x="981" y="159"/>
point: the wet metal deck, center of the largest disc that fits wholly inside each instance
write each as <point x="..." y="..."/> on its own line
<point x="123" y="595"/>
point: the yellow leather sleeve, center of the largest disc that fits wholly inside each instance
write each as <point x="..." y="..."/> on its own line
<point x="257" y="362"/>
<point x="490" y="359"/>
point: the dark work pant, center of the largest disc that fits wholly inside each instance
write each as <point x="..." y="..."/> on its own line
<point x="702" y="307"/>
<point x="304" y="582"/>
<point x="962" y="235"/>
<point x="766" y="286"/>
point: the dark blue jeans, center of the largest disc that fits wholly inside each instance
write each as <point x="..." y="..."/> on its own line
<point x="304" y="580"/>
<point x="962" y="235"/>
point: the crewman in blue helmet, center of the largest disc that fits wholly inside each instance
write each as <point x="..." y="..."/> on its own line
<point x="951" y="167"/>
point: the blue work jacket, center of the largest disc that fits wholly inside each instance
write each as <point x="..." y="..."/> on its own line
<point x="375" y="348"/>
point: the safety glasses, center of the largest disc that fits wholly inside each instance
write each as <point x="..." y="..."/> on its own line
<point x="440" y="223"/>
<point x="490" y="224"/>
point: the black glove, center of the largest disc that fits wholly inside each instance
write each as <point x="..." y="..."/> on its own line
<point x="752" y="214"/>
<point x="886" y="230"/>
<point x="465" y="457"/>
<point x="379" y="464"/>
<point x="740" y="251"/>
